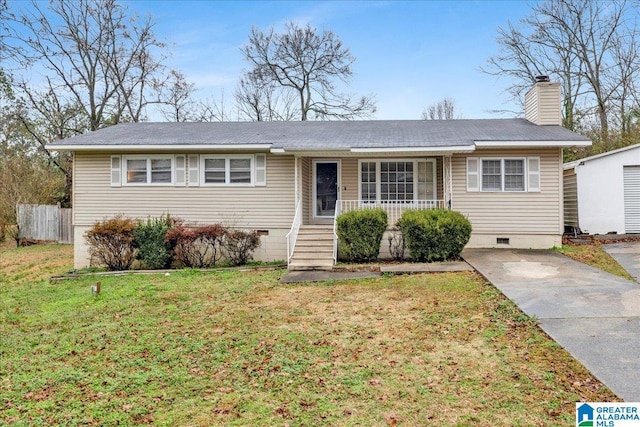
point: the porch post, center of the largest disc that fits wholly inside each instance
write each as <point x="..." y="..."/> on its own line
<point x="447" y="179"/>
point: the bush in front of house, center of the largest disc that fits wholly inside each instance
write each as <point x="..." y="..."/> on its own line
<point x="149" y="239"/>
<point x="397" y="246"/>
<point x="360" y="233"/>
<point x="434" y="234"/>
<point x="239" y="245"/>
<point x="111" y="242"/>
<point x="196" y="247"/>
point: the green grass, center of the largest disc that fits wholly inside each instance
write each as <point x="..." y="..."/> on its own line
<point x="239" y="348"/>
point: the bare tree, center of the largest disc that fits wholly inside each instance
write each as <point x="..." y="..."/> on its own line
<point x="308" y="64"/>
<point x="94" y="55"/>
<point x="260" y="99"/>
<point x="175" y="97"/>
<point x="588" y="45"/>
<point x="97" y="66"/>
<point x="445" y="109"/>
<point x="211" y="110"/>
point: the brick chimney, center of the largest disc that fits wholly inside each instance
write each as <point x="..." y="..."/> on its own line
<point x="542" y="103"/>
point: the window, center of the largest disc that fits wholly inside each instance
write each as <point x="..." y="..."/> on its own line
<point x="240" y="171"/>
<point x="503" y="175"/>
<point x="427" y="180"/>
<point x="494" y="174"/>
<point x="397" y="181"/>
<point x="188" y="170"/>
<point x="227" y="170"/>
<point x="513" y="175"/>
<point x="368" y="182"/>
<point x="148" y="170"/>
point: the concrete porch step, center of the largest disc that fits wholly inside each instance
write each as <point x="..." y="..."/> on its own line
<point x="314" y="249"/>
<point x="301" y="249"/>
<point x="311" y="265"/>
<point x="314" y="237"/>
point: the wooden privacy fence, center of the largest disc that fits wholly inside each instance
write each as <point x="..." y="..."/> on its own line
<point x="45" y="222"/>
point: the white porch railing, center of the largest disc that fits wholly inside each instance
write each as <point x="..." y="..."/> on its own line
<point x="292" y="235"/>
<point x="394" y="208"/>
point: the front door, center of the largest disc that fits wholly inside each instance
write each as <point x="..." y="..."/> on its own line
<point x="326" y="188"/>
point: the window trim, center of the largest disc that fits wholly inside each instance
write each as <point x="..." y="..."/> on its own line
<point x="415" y="162"/>
<point x="502" y="174"/>
<point x="148" y="158"/>
<point x="227" y="164"/>
<point x="527" y="174"/>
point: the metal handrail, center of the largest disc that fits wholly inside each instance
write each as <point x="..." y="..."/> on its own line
<point x="292" y="235"/>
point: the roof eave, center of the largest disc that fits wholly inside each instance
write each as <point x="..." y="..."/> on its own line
<point x="532" y="144"/>
<point x="157" y="147"/>
<point x="431" y="149"/>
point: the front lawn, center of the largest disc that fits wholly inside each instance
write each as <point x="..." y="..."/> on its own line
<point x="238" y="348"/>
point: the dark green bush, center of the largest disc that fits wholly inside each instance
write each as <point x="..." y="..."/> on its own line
<point x="239" y="245"/>
<point x="149" y="240"/>
<point x="111" y="242"/>
<point x="434" y="234"/>
<point x="360" y="233"/>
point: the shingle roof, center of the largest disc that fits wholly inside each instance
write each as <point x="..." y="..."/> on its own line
<point x="324" y="135"/>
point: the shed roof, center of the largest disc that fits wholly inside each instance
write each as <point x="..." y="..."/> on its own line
<point x="571" y="165"/>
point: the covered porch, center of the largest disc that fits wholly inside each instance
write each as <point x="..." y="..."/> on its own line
<point x="326" y="186"/>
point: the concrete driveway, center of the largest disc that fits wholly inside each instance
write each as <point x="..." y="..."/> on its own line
<point x="628" y="256"/>
<point x="593" y="314"/>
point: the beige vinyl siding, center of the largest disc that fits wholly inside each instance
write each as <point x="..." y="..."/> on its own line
<point x="503" y="213"/>
<point x="255" y="207"/>
<point x="307" y="191"/>
<point x="570" y="189"/>
<point x="542" y="104"/>
<point x="349" y="179"/>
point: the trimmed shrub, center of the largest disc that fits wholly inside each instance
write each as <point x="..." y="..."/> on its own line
<point x="111" y="242"/>
<point x="360" y="233"/>
<point x="149" y="236"/>
<point x="434" y="234"/>
<point x="239" y="245"/>
<point x="197" y="247"/>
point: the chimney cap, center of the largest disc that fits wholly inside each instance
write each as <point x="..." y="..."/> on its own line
<point x="542" y="79"/>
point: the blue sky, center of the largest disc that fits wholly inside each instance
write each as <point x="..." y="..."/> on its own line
<point x="409" y="54"/>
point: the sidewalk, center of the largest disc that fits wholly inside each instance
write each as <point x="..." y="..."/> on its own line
<point x="404" y="268"/>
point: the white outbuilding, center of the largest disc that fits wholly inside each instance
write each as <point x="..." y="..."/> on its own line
<point x="602" y="192"/>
